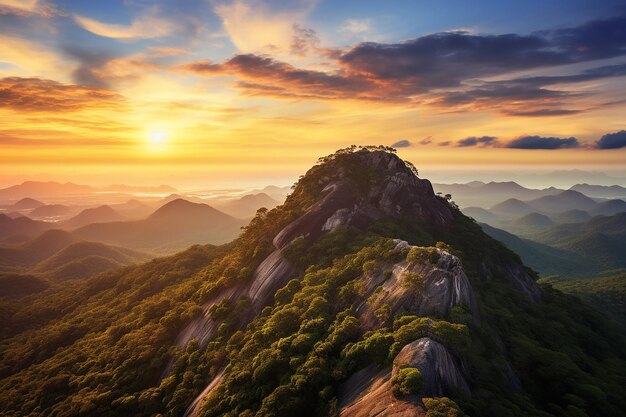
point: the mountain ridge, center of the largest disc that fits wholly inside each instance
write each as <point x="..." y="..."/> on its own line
<point x="363" y="271"/>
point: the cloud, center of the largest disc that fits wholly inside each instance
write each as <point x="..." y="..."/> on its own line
<point x="261" y="27"/>
<point x="266" y="76"/>
<point x="303" y="41"/>
<point x="143" y="27"/>
<point x="540" y="142"/>
<point x="162" y="51"/>
<point x="41" y="95"/>
<point x="477" y="140"/>
<point x="615" y="140"/>
<point x="541" y="112"/>
<point x="24" y="8"/>
<point x="90" y="64"/>
<point x="450" y="70"/>
<point x="32" y="58"/>
<point x="426" y="141"/>
<point x="401" y="144"/>
<point x="356" y="26"/>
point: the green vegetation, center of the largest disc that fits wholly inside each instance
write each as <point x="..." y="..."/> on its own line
<point x="607" y="292"/>
<point x="101" y="347"/>
<point x="441" y="407"/>
<point x="406" y="381"/>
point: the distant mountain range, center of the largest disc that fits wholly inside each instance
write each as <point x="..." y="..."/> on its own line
<point x="54" y="189"/>
<point x="38" y="189"/>
<point x="100" y="214"/>
<point x="477" y="193"/>
<point x="246" y="206"/>
<point x="56" y="256"/>
<point x="530" y="216"/>
<point x="601" y="191"/>
<point x="174" y="226"/>
<point x="571" y="249"/>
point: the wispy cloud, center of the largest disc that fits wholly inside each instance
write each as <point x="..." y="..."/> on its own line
<point x="255" y="26"/>
<point x="41" y="95"/>
<point x="356" y="26"/>
<point x="401" y="144"/>
<point x="148" y="25"/>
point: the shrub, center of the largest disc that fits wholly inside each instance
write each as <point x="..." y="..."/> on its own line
<point x="412" y="280"/>
<point x="421" y="255"/>
<point x="406" y="381"/>
<point x="441" y="407"/>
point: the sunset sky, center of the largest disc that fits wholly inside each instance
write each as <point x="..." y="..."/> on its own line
<point x="253" y="92"/>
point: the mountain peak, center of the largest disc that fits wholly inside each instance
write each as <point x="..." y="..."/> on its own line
<point x="182" y="207"/>
<point x="357" y="186"/>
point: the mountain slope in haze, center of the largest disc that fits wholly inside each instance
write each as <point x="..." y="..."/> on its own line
<point x="49" y="211"/>
<point x="513" y="208"/>
<point x="363" y="294"/>
<point x="533" y="221"/>
<point x="601" y="239"/>
<point x="563" y="201"/>
<point x="27" y="254"/>
<point x="99" y="214"/>
<point x="38" y="189"/>
<point x="600" y="191"/>
<point x="57" y="255"/>
<point x="481" y="215"/>
<point x="245" y="206"/>
<point x="572" y="216"/>
<point x="19" y="229"/>
<point x="609" y="208"/>
<point x="83" y="259"/>
<point x="482" y="194"/>
<point x="174" y="226"/>
<point x="26" y="204"/>
<point x="545" y="259"/>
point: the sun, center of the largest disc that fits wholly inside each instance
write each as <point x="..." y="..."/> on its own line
<point x="157" y="140"/>
<point x="157" y="137"/>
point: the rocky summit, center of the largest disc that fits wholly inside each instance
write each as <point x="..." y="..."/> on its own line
<point x="364" y="294"/>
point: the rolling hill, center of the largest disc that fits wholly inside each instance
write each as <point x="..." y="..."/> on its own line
<point x="246" y="206"/>
<point x="26" y="204"/>
<point x="99" y="214"/>
<point x="19" y="229"/>
<point x="58" y="255"/>
<point x="83" y="259"/>
<point x="513" y="208"/>
<point x="545" y="259"/>
<point x="563" y="201"/>
<point x="174" y="226"/>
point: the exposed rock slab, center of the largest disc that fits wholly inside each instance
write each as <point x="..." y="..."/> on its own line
<point x="441" y="372"/>
<point x="444" y="285"/>
<point x="369" y="391"/>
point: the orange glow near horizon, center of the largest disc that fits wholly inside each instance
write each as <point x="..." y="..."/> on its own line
<point x="221" y="104"/>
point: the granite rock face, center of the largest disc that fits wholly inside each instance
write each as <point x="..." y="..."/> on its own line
<point x="369" y="392"/>
<point x="441" y="372"/>
<point x="437" y="287"/>
<point x="393" y="192"/>
<point x="426" y="281"/>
